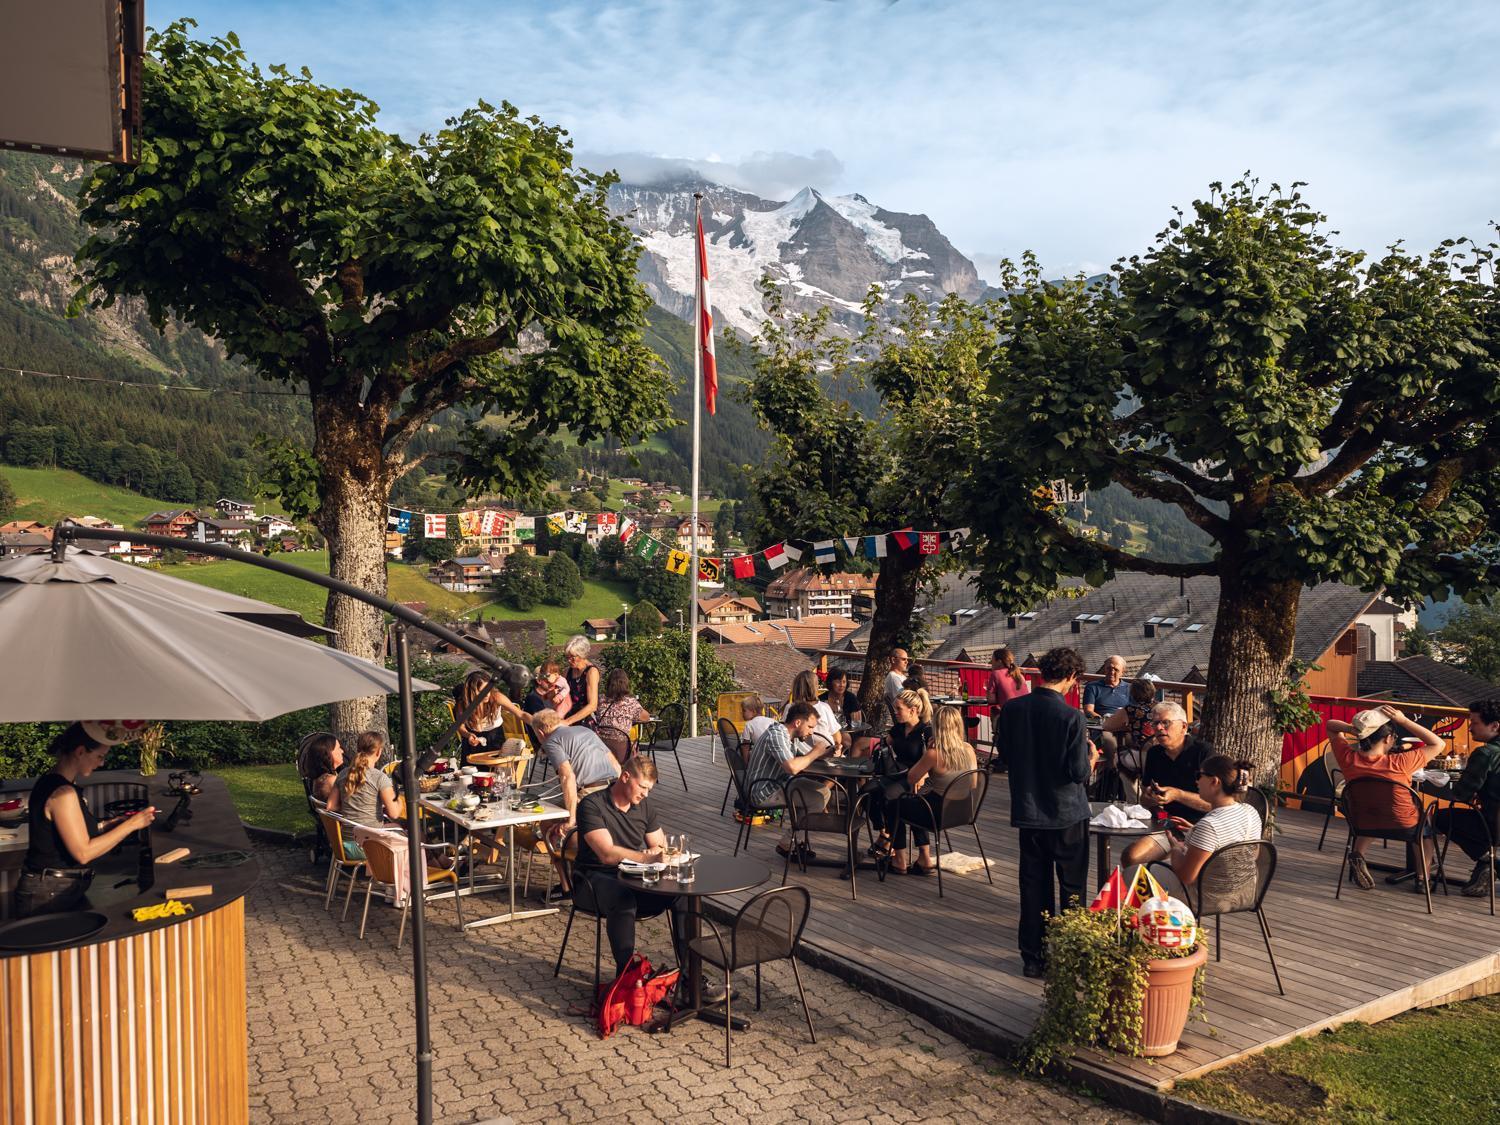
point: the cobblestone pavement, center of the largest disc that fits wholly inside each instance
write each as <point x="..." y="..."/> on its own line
<point x="331" y="1034"/>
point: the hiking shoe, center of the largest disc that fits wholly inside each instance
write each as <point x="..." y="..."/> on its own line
<point x="1359" y="871"/>
<point x="1423" y="886"/>
<point x="1478" y="885"/>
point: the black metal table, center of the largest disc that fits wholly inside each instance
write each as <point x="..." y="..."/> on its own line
<point x="1103" y="837"/>
<point x="849" y="774"/>
<point x="716" y="875"/>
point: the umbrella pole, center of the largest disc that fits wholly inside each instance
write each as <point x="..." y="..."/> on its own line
<point x="418" y="878"/>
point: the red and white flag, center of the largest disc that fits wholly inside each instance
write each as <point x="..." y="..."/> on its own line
<point x="706" y="327"/>
<point x="744" y="566"/>
<point x="435" y="527"/>
<point x="775" y="556"/>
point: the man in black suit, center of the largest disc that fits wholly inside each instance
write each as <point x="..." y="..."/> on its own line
<point x="1050" y="759"/>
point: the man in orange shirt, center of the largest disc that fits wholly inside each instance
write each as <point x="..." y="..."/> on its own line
<point x="1370" y="746"/>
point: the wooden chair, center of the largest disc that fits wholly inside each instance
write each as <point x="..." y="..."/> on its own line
<point x="767" y="928"/>
<point x="961" y="800"/>
<point x="1233" y="880"/>
<point x="734" y="757"/>
<point x="667" y="735"/>
<point x="380" y="866"/>
<point x="1360" y="791"/>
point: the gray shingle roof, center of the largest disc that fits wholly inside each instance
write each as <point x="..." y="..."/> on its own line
<point x="1421" y="679"/>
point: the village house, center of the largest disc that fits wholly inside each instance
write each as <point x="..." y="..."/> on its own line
<point x="729" y="609"/>
<point x="467" y="575"/>
<point x="269" y="527"/>
<point x="806" y="591"/>
<point x="810" y="634"/>
<point x="177" y="523"/>
<point x="234" y="509"/>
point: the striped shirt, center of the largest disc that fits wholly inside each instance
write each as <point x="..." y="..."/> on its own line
<point x="767" y="770"/>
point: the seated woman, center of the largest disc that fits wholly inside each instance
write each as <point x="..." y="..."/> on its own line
<point x="319" y="760"/>
<point x="1125" y="735"/>
<point x="909" y="737"/>
<point x="846" y="710"/>
<point x="620" y="708"/>
<point x="364" y="790"/>
<point x="484" y="727"/>
<point x="1221" y="782"/>
<point x="947" y="757"/>
<point x="65" y="838"/>
<point x="1374" y="750"/>
<point x="805" y="690"/>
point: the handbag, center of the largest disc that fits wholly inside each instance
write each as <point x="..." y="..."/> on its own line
<point x="889" y="780"/>
<point x="633" y="995"/>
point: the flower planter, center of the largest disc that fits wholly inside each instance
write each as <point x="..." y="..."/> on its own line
<point x="1169" y="996"/>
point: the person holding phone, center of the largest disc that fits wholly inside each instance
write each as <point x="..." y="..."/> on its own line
<point x="1169" y="783"/>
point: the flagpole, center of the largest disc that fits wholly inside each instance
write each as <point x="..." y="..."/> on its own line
<point x="697" y="423"/>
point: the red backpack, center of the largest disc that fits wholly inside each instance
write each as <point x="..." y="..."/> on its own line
<point x="633" y="995"/>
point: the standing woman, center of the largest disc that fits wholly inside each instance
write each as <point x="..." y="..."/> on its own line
<point x="583" y="683"/>
<point x="66" y="838"/>
<point x="1005" y="683"/>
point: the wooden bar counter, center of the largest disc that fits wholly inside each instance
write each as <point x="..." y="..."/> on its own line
<point x="141" y="1021"/>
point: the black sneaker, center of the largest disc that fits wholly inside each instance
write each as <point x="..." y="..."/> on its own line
<point x="1479" y="882"/>
<point x="556" y="896"/>
<point x="1030" y="967"/>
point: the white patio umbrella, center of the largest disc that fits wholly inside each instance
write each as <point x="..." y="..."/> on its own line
<point x="78" y="642"/>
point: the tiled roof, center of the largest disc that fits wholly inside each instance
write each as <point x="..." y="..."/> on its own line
<point x="1421" y="679"/>
<point x="709" y="605"/>
<point x="793" y="582"/>
<point x="766" y="669"/>
<point x="812" y="632"/>
<point x="601" y="623"/>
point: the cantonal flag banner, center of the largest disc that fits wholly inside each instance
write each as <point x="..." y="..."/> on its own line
<point x="435" y="527"/>
<point x="1142" y="887"/>
<point x="525" y="529"/>
<point x="645" y="547"/>
<point x="874" y="546"/>
<point x="1111" y="896"/>
<point x="710" y="570"/>
<point x="904" y="538"/>
<point x="628" y="528"/>
<point x="489" y="522"/>
<point x="468" y="524"/>
<point x="576" y="522"/>
<point x="744" y="566"/>
<point x="823" y="552"/>
<point x="677" y="561"/>
<point x="793" y="553"/>
<point x="608" y="521"/>
<point x="851" y="544"/>
<point x="927" y="543"/>
<point x="398" y="521"/>
<point x="706" y="327"/>
<point x="557" y="522"/>
<point x="776" y="556"/>
<point x="957" y="536"/>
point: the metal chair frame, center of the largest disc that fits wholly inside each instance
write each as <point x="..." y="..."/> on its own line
<point x="740" y="779"/>
<point x="621" y="748"/>
<point x="1491" y="851"/>
<point x="804" y="820"/>
<point x="729" y="742"/>
<point x="668" y="733"/>
<point x="435" y="877"/>
<point x="1413" y="835"/>
<point x="1263" y="876"/>
<point x="981" y="782"/>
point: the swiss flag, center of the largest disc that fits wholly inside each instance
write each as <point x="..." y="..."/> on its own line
<point x="706" y="327"/>
<point x="744" y="566"/>
<point x="1112" y="895"/>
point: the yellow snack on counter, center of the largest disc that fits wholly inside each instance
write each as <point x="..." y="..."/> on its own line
<point x="172" y="908"/>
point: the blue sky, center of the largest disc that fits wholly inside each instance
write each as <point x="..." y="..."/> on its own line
<point x="1066" y="128"/>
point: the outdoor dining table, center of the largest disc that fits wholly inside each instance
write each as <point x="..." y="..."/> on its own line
<point x="1103" y="837"/>
<point x="715" y="875"/>
<point x="496" y="818"/>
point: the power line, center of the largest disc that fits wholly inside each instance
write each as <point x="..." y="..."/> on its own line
<point x="153" y="386"/>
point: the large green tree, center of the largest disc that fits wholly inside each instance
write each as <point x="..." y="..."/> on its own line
<point x="1474" y="632"/>
<point x="473" y="268"/>
<point x="1321" y="417"/>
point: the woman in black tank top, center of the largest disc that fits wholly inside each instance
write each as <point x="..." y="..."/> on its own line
<point x="583" y="684"/>
<point x="66" y="838"/>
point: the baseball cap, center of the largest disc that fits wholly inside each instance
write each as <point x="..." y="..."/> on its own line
<point x="1366" y="723"/>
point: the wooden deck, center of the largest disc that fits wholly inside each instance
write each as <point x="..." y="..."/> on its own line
<point x="954" y="962"/>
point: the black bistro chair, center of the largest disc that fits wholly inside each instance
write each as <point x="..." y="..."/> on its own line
<point x="767" y="928"/>
<point x="1363" y="793"/>
<point x="805" y="815"/>
<point x="734" y="757"/>
<point x="1489" y="821"/>
<point x="747" y="808"/>
<point x="1256" y="798"/>
<point x="961" y="800"/>
<point x="1233" y="880"/>
<point x="666" y="736"/>
<point x="618" y="742"/>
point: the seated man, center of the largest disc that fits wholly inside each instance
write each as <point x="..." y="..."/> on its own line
<point x="583" y="764"/>
<point x="1169" y="780"/>
<point x="774" y="759"/>
<point x="617" y="824"/>
<point x="1480" y="784"/>
<point x="1102" y="698"/>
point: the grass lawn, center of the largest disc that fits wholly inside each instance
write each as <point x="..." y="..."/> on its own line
<point x="268" y="796"/>
<point x="407" y="584"/>
<point x="1431" y="1066"/>
<point x="601" y="598"/>
<point x="48" y="494"/>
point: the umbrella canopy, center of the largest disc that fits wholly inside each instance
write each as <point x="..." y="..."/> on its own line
<point x="79" y="643"/>
<point x="83" y="564"/>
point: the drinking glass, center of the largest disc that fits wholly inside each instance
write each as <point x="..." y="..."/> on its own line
<point x="685" y="872"/>
<point x="650" y="876"/>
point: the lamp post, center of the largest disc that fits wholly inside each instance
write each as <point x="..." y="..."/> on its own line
<point x="625" y="617"/>
<point x="679" y="621"/>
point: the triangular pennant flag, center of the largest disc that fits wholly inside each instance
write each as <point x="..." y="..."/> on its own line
<point x="823" y="552"/>
<point x="904" y="538"/>
<point x="1111" y="896"/>
<point x="927" y="543"/>
<point x="851" y="544"/>
<point x="677" y="561"/>
<point x="875" y="546"/>
<point x="1144" y="886"/>
<point x="710" y="570"/>
<point x="435" y="527"/>
<point x="398" y="521"/>
<point x="744" y="566"/>
<point x="793" y="553"/>
<point x="776" y="556"/>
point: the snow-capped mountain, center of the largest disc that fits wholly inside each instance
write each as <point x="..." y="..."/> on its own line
<point x="822" y="249"/>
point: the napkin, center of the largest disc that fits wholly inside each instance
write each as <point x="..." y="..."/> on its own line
<point x="1116" y="817"/>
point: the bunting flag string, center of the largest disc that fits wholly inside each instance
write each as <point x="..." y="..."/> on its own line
<point x="642" y="544"/>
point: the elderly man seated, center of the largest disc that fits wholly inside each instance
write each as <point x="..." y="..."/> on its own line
<point x="1169" y="781"/>
<point x="614" y="825"/>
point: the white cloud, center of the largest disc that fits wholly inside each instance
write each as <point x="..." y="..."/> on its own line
<point x="773" y="175"/>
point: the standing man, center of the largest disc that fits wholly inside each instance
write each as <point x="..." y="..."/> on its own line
<point x="1050" y="760"/>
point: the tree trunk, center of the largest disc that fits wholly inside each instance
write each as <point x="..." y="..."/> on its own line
<point x="353" y="487"/>
<point x="895" y="599"/>
<point x="1253" y="635"/>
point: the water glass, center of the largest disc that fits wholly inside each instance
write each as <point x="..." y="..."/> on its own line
<point x="650" y="876"/>
<point x="685" y="872"/>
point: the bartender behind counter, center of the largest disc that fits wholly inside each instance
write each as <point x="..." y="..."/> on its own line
<point x="66" y="838"/>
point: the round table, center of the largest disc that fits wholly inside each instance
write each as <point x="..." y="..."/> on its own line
<point x="849" y="774"/>
<point x="1103" y="836"/>
<point x="715" y="875"/>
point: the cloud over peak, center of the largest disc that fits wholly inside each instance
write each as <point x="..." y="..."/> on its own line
<point x="771" y="175"/>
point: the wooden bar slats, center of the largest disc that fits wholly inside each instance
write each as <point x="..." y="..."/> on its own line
<point x="147" y="1029"/>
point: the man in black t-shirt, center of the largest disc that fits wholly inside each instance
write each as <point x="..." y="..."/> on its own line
<point x="1169" y="780"/>
<point x="615" y="824"/>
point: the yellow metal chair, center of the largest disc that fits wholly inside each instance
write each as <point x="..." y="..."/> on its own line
<point x="344" y="858"/>
<point x="380" y="865"/>
<point x="728" y="706"/>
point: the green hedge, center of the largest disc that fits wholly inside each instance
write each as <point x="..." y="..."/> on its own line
<point x="205" y="746"/>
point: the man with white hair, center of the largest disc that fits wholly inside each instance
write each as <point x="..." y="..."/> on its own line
<point x="1169" y="779"/>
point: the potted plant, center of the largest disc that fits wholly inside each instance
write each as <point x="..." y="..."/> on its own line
<point x="1113" y="983"/>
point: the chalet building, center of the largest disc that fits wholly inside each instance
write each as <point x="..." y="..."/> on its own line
<point x="395" y="543"/>
<point x="234" y="509"/>
<point x="26" y="527"/>
<point x="600" y="628"/>
<point x="463" y="575"/>
<point x="179" y="524"/>
<point x="269" y="527"/>
<point x="232" y="532"/>
<point x="806" y="591"/>
<point x="730" y="609"/>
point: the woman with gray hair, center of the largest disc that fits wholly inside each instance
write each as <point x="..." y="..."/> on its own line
<point x="583" y="683"/>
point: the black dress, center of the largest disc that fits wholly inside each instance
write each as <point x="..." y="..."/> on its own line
<point x="52" y="880"/>
<point x="578" y="692"/>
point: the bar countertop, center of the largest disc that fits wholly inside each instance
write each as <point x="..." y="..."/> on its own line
<point x="130" y="877"/>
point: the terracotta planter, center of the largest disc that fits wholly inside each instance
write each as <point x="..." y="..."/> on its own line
<point x="1169" y="995"/>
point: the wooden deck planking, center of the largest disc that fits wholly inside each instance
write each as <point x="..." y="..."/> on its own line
<point x="1376" y="953"/>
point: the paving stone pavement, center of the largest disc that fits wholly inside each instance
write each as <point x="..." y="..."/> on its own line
<point x="331" y="1034"/>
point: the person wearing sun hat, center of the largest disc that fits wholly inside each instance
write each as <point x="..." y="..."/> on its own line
<point x="1369" y="745"/>
<point x="66" y="838"/>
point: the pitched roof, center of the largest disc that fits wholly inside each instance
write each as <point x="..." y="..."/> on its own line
<point x="1112" y="620"/>
<point x="1421" y="679"/>
<point x="765" y="669"/>
<point x="169" y="516"/>
<point x="710" y="605"/>
<point x="601" y="623"/>
<point x="794" y="582"/>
